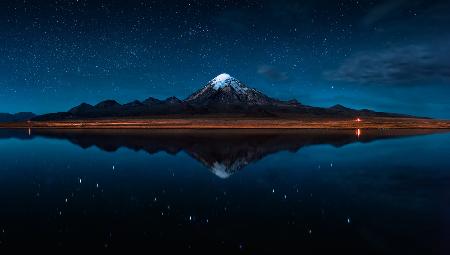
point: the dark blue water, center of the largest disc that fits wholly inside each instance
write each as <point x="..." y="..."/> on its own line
<point x="379" y="192"/>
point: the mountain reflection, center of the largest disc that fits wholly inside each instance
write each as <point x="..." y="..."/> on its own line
<point x="224" y="152"/>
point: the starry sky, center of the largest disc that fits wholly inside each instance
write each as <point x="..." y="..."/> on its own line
<point x="386" y="55"/>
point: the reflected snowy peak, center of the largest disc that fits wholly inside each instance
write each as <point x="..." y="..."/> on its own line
<point x="223" y="152"/>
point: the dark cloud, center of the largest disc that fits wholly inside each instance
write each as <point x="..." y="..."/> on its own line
<point x="272" y="74"/>
<point x="408" y="65"/>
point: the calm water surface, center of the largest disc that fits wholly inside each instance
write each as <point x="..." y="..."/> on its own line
<point x="366" y="192"/>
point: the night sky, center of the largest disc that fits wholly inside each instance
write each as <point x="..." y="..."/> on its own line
<point x="383" y="55"/>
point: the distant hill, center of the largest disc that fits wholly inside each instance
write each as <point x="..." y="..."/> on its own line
<point x="21" y="116"/>
<point x="222" y="95"/>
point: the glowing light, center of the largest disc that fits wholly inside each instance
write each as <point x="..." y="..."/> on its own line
<point x="358" y="132"/>
<point x="358" y="120"/>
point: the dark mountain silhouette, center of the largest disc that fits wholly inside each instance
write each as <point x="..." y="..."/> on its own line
<point x="222" y="95"/>
<point x="21" y="116"/>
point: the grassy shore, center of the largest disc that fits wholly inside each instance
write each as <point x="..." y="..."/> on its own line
<point x="235" y="123"/>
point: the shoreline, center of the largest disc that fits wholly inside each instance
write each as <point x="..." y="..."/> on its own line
<point x="235" y="123"/>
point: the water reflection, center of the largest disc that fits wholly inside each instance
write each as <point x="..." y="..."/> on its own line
<point x="223" y="152"/>
<point x="374" y="194"/>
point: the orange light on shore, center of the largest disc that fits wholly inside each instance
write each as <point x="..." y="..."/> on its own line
<point x="358" y="120"/>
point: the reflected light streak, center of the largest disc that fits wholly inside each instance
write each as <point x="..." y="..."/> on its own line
<point x="358" y="132"/>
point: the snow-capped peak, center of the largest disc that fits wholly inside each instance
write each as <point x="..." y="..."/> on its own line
<point x="221" y="80"/>
<point x="224" y="79"/>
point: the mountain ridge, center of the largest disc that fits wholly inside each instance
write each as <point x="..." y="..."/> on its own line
<point x="222" y="95"/>
<point x="20" y="116"/>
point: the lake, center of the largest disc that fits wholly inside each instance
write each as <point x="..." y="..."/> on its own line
<point x="260" y="191"/>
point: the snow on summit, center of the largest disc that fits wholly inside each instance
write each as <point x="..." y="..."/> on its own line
<point x="223" y="80"/>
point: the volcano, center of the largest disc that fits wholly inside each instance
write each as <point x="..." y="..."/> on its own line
<point x="226" y="90"/>
<point x="223" y="95"/>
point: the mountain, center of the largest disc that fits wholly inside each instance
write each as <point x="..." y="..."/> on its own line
<point x="222" y="95"/>
<point x="21" y="116"/>
<point x="226" y="90"/>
